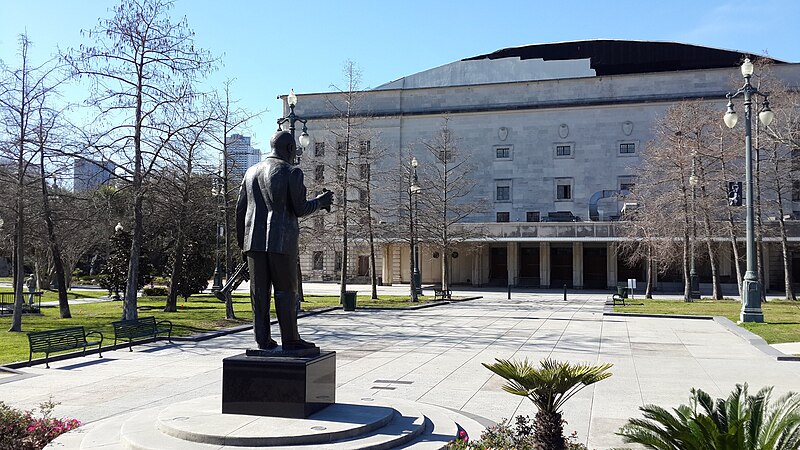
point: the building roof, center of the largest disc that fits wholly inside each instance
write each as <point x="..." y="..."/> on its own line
<point x="615" y="57"/>
<point x="576" y="59"/>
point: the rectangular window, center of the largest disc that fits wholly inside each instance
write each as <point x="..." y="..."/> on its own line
<point x="627" y="183"/>
<point x="502" y="152"/>
<point x="364" y="171"/>
<point x="563" y="189"/>
<point x="363" y="266"/>
<point x="362" y="198"/>
<point x="503" y="216"/>
<point x="363" y="148"/>
<point x="796" y="191"/>
<point x="627" y="148"/>
<point x="795" y="160"/>
<point x="319" y="149"/>
<point x="319" y="223"/>
<point x="563" y="150"/>
<point x="532" y="216"/>
<point x="319" y="173"/>
<point x="337" y="261"/>
<point x="317" y="261"/>
<point x="502" y="191"/>
<point x="341" y="149"/>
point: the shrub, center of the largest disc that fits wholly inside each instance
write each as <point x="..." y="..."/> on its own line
<point x="155" y="291"/>
<point x="22" y="430"/>
<point x="740" y="421"/>
<point x="518" y="436"/>
<point x="548" y="386"/>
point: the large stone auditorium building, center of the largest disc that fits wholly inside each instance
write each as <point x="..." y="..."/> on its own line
<point x="554" y="133"/>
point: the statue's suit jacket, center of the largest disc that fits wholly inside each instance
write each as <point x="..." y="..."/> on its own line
<point x="271" y="198"/>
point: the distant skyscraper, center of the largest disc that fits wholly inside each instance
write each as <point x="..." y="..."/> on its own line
<point x="89" y="174"/>
<point x="241" y="155"/>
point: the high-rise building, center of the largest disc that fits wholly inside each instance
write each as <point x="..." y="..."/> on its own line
<point x="241" y="155"/>
<point x="89" y="174"/>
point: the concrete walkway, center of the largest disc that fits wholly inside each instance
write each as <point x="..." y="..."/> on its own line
<point x="434" y="355"/>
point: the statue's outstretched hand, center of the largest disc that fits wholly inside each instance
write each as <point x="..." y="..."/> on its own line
<point x="325" y="200"/>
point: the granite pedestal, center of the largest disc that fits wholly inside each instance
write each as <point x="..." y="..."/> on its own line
<point x="278" y="385"/>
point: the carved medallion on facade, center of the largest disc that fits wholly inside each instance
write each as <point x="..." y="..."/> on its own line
<point x="627" y="127"/>
<point x="502" y="133"/>
<point x="563" y="130"/>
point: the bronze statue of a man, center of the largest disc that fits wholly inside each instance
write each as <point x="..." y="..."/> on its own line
<point x="271" y="198"/>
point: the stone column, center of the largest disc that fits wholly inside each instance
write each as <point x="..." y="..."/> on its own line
<point x="724" y="257"/>
<point x="577" y="265"/>
<point x="544" y="264"/>
<point x="512" y="260"/>
<point x="611" y="265"/>
<point x="396" y="260"/>
<point x="386" y="264"/>
<point x="477" y="267"/>
<point x="765" y="254"/>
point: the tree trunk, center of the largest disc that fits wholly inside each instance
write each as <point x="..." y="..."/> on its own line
<point x="716" y="291"/>
<point x="177" y="273"/>
<point x="648" y="290"/>
<point x="687" y="288"/>
<point x="55" y="249"/>
<point x="19" y="265"/>
<point x="787" y="261"/>
<point x="129" y="307"/>
<point x="548" y="431"/>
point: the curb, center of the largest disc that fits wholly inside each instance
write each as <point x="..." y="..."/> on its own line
<point x="752" y="338"/>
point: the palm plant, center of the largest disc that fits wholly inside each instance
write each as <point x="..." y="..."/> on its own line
<point x="740" y="422"/>
<point x="548" y="387"/>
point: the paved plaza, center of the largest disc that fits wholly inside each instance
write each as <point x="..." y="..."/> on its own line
<point x="434" y="355"/>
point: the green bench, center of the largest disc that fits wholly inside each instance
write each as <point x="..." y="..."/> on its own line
<point x="141" y="328"/>
<point x="439" y="294"/>
<point x="70" y="338"/>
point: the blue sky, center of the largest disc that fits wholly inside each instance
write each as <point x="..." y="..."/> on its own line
<point x="269" y="49"/>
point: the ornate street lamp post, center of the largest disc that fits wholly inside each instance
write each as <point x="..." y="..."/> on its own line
<point x="694" y="281"/>
<point x="414" y="190"/>
<point x="287" y="124"/>
<point x="751" y="289"/>
<point x="216" y="191"/>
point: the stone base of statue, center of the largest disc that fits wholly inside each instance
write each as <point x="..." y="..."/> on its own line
<point x="274" y="383"/>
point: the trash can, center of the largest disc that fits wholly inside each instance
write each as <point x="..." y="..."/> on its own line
<point x="622" y="291"/>
<point x="350" y="300"/>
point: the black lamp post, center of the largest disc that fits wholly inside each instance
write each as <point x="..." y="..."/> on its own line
<point x="751" y="288"/>
<point x="694" y="281"/>
<point x="289" y="121"/>
<point x="216" y="191"/>
<point x="414" y="190"/>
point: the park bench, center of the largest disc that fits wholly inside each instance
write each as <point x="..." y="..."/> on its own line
<point x="143" y="327"/>
<point x="70" y="338"/>
<point x="620" y="296"/>
<point x="439" y="294"/>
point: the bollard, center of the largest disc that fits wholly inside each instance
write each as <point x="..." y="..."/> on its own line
<point x="565" y="292"/>
<point x="509" y="292"/>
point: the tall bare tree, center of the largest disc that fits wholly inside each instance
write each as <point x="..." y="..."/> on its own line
<point x="144" y="67"/>
<point x="228" y="118"/>
<point x="24" y="91"/>
<point x="446" y="196"/>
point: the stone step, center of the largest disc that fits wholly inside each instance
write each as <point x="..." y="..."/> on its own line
<point x="375" y="424"/>
<point x="200" y="420"/>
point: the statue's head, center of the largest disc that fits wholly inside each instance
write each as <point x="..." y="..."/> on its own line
<point x="283" y="145"/>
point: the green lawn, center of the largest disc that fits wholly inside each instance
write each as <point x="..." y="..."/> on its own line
<point x="199" y="314"/>
<point x="782" y="318"/>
